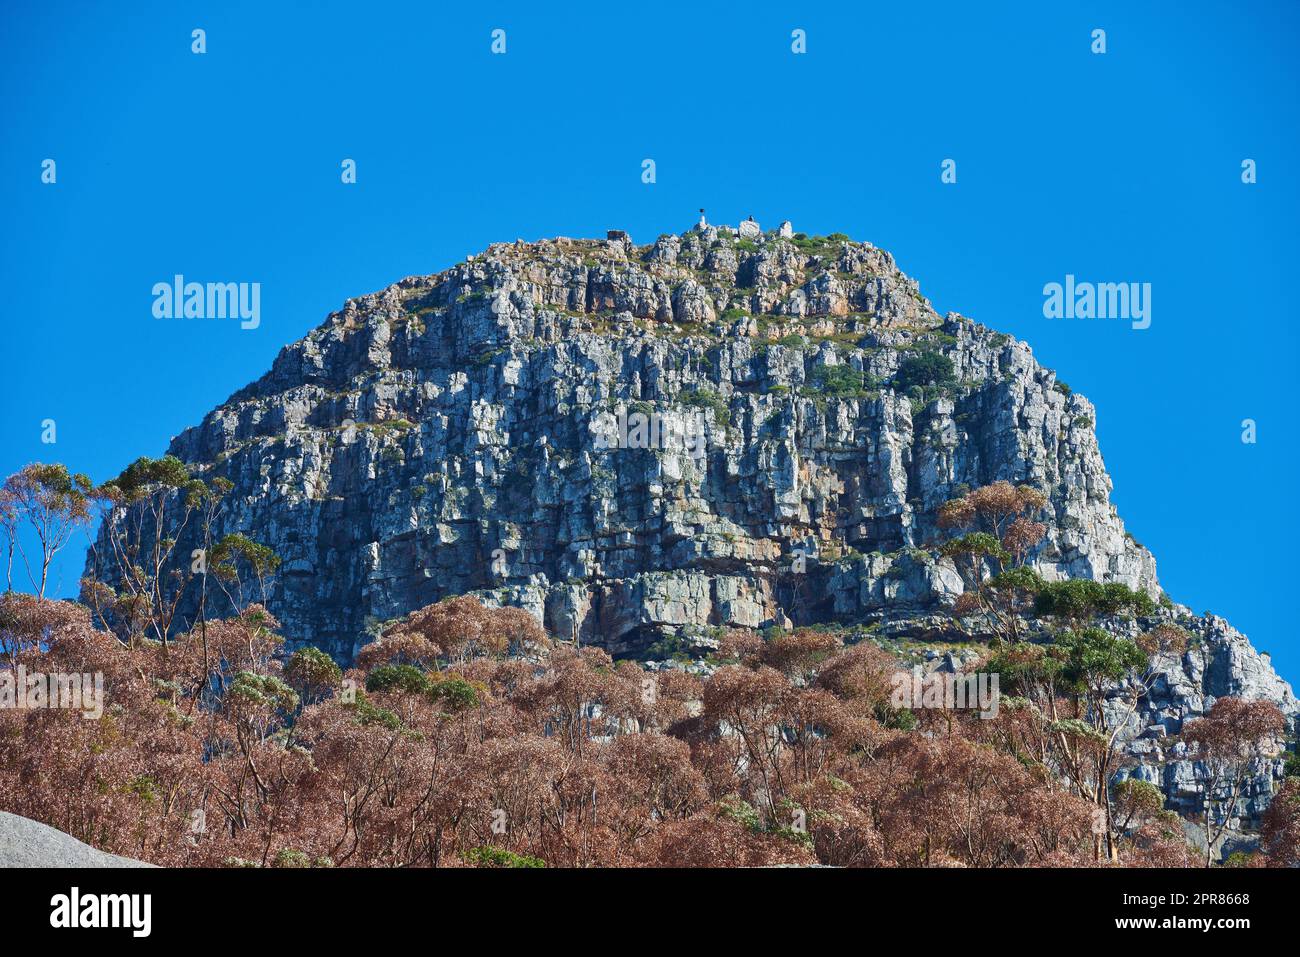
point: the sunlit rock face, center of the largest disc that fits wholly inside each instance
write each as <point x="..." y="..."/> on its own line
<point x="477" y="431"/>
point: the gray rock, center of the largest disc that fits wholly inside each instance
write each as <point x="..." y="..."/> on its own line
<point x="27" y="843"/>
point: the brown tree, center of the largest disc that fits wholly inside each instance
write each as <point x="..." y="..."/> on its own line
<point x="1229" y="741"/>
<point x="1280" y="829"/>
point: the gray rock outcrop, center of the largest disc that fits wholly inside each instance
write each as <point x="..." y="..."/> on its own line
<point x="441" y="437"/>
<point x="27" y="843"/>
<point x="1220" y="662"/>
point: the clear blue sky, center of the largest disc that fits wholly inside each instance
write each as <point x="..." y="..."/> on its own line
<point x="1122" y="166"/>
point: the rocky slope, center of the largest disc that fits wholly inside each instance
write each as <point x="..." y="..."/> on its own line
<point x="27" y="843"/>
<point x="461" y="433"/>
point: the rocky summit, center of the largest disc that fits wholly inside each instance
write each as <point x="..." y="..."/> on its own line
<point x="642" y="444"/>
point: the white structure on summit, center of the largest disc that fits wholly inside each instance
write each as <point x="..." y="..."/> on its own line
<point x="748" y="229"/>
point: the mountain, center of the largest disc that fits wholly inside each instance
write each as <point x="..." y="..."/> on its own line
<point x="807" y="414"/>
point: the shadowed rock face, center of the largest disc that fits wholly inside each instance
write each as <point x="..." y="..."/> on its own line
<point x="27" y="843"/>
<point x="445" y="436"/>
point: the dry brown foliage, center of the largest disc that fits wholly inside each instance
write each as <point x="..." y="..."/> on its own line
<point x="204" y="756"/>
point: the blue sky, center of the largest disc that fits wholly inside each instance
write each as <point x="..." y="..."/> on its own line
<point x="1116" y="167"/>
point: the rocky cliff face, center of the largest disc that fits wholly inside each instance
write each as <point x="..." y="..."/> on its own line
<point x="1220" y="662"/>
<point x="479" y="431"/>
<point x="445" y="435"/>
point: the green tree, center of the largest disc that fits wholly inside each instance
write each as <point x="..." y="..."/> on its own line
<point x="454" y="694"/>
<point x="970" y="552"/>
<point x="312" y="674"/>
<point x="1093" y="664"/>
<point x="145" y="510"/>
<point x="489" y="856"/>
<point x="1004" y="601"/>
<point x="1080" y="600"/>
<point x="397" y="678"/>
<point x="837" y="381"/>
<point x="924" y="369"/>
<point x="238" y="562"/>
<point x="1082" y="692"/>
<point x="54" y="503"/>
